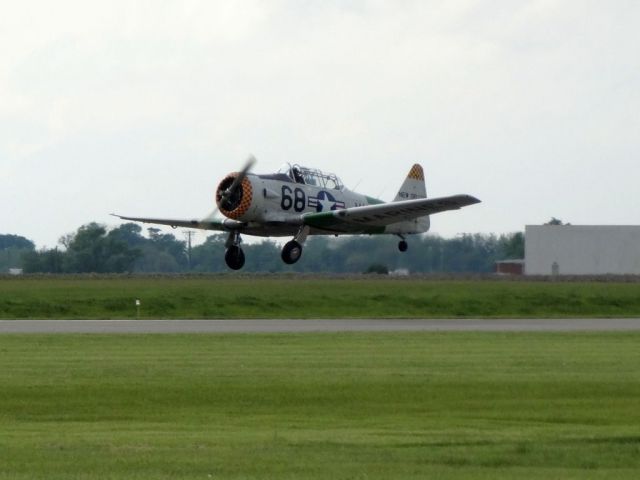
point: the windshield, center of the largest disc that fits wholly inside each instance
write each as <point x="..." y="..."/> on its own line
<point x="311" y="176"/>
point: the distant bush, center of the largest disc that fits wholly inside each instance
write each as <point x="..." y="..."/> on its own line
<point x="378" y="268"/>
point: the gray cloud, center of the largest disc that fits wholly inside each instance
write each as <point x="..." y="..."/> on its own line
<point x="140" y="108"/>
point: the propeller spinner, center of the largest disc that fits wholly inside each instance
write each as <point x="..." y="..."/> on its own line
<point x="234" y="193"/>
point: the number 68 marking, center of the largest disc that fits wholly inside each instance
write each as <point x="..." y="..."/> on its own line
<point x="298" y="201"/>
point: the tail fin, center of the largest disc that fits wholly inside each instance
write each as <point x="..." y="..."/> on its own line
<point x="413" y="186"/>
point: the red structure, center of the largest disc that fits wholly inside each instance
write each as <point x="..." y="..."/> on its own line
<point x="510" y="267"/>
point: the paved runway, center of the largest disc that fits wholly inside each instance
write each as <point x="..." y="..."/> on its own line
<point x="338" y="325"/>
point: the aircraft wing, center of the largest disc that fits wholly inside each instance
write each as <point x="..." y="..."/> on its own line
<point x="205" y="224"/>
<point x="370" y="217"/>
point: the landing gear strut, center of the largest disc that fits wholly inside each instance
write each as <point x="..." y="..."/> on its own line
<point x="234" y="256"/>
<point x="292" y="251"/>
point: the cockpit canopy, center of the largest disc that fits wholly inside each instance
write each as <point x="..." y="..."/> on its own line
<point x="311" y="176"/>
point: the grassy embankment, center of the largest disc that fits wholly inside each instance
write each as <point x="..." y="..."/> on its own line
<point x="303" y="297"/>
<point x="374" y="406"/>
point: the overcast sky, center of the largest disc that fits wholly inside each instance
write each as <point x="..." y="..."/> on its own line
<point x="141" y="107"/>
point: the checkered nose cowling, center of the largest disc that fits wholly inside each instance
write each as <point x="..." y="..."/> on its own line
<point x="239" y="202"/>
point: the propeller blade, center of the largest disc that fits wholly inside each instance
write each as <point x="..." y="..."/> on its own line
<point x="238" y="180"/>
<point x="215" y="214"/>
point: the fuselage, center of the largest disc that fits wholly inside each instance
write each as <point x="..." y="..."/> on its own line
<point x="273" y="205"/>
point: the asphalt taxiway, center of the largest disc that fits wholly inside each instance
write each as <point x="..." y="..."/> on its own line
<point x="333" y="325"/>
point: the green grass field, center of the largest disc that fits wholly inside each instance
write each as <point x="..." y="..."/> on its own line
<point x="340" y="406"/>
<point x="304" y="297"/>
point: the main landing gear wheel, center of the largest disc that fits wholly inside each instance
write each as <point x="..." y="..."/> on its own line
<point x="234" y="256"/>
<point x="291" y="252"/>
<point x="402" y="246"/>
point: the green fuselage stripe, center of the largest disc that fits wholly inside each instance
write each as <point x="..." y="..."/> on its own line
<point x="328" y="221"/>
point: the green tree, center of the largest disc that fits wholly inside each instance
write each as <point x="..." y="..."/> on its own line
<point x="263" y="257"/>
<point x="131" y="233"/>
<point x="12" y="250"/>
<point x="511" y="246"/>
<point x="172" y="251"/>
<point x="209" y="256"/>
<point x="15" y="241"/>
<point x="44" y="261"/>
<point x="89" y="250"/>
<point x="556" y="221"/>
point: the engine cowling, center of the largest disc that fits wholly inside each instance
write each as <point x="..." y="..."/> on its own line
<point x="239" y="201"/>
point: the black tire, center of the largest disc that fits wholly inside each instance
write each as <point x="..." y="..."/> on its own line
<point x="234" y="256"/>
<point x="403" y="246"/>
<point x="291" y="252"/>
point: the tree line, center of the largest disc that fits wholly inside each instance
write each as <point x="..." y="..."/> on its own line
<point x="94" y="248"/>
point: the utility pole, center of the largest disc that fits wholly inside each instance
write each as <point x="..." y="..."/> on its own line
<point x="189" y="234"/>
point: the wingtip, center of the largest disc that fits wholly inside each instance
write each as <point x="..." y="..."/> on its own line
<point x="468" y="199"/>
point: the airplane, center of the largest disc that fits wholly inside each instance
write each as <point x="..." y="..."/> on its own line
<point x="299" y="201"/>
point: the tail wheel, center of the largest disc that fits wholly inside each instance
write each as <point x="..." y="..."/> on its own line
<point x="291" y="252"/>
<point x="234" y="256"/>
<point x="403" y="246"/>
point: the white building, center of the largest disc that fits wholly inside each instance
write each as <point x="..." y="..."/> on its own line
<point x="582" y="250"/>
